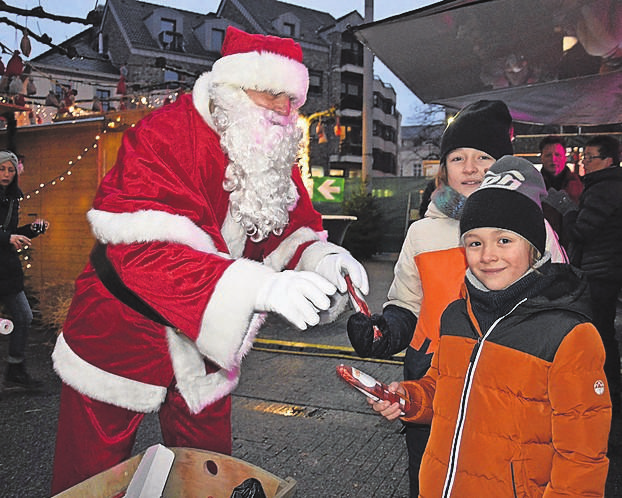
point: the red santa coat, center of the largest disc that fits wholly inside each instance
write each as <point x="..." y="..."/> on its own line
<point x="164" y="214"/>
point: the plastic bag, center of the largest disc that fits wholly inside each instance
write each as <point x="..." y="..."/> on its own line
<point x="31" y="89"/>
<point x="251" y="488"/>
<point x="4" y="83"/>
<point x="16" y="86"/>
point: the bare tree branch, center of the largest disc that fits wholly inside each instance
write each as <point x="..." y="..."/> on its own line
<point x="91" y="18"/>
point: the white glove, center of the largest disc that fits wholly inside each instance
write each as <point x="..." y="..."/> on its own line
<point x="333" y="266"/>
<point x="295" y="295"/>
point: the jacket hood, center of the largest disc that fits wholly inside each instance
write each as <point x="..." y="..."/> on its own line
<point x="568" y="290"/>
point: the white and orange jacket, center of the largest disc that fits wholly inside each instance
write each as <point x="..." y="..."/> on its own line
<point x="430" y="271"/>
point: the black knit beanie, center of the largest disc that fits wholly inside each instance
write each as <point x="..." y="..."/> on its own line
<point x="510" y="198"/>
<point x="484" y="125"/>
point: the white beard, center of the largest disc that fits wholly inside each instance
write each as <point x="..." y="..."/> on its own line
<point x="262" y="147"/>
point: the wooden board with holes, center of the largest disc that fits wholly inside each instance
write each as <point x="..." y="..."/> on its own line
<point x="195" y="472"/>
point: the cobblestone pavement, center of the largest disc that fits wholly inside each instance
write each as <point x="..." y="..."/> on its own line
<point x="292" y="416"/>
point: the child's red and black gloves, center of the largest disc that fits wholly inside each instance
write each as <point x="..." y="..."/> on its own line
<point x="396" y="326"/>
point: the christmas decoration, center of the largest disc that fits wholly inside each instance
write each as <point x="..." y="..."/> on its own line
<point x="65" y="174"/>
<point x="15" y="66"/>
<point x="340" y="131"/>
<point x="121" y="87"/>
<point x="25" y="45"/>
<point x="321" y="134"/>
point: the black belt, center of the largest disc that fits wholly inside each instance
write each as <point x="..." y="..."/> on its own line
<point x="111" y="280"/>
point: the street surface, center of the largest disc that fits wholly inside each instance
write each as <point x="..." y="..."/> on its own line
<point x="292" y="415"/>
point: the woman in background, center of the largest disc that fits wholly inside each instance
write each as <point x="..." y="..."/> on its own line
<point x="13" y="239"/>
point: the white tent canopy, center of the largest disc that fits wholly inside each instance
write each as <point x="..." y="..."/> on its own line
<point x="552" y="61"/>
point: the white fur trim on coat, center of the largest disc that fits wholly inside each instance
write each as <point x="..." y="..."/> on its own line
<point x="196" y="387"/>
<point x="225" y="335"/>
<point x="234" y="236"/>
<point x="201" y="98"/>
<point x="149" y="226"/>
<point x="282" y="255"/>
<point x="104" y="386"/>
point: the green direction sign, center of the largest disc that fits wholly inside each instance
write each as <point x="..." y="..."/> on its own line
<point x="328" y="189"/>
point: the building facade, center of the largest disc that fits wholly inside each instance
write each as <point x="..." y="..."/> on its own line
<point x="158" y="51"/>
<point x="419" y="151"/>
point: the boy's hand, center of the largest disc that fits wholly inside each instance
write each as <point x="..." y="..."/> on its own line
<point x="388" y="410"/>
<point x="361" y="333"/>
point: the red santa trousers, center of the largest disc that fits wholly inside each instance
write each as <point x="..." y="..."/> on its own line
<point x="94" y="436"/>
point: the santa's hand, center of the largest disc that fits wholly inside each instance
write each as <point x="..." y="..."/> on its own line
<point x="295" y="295"/>
<point x="334" y="266"/>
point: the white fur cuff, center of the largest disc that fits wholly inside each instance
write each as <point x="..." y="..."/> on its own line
<point x="312" y="255"/>
<point x="224" y="335"/>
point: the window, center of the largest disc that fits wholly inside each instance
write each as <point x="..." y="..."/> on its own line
<point x="355" y="134"/>
<point x="289" y="29"/>
<point x="351" y="50"/>
<point x="168" y="27"/>
<point x="169" y="37"/>
<point x="315" y="81"/>
<point x="170" y="75"/>
<point x="352" y="89"/>
<point x="387" y="105"/>
<point x="104" y="98"/>
<point x="218" y="36"/>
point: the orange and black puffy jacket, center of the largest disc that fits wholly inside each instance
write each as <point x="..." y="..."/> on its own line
<point x="521" y="409"/>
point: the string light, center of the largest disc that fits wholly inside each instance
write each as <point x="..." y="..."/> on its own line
<point x="67" y="172"/>
<point x="115" y="123"/>
<point x="304" y="123"/>
<point x="303" y="154"/>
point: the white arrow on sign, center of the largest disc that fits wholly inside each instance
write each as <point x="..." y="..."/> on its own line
<point x="327" y="189"/>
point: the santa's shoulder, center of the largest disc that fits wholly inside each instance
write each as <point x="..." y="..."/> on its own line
<point x="178" y="117"/>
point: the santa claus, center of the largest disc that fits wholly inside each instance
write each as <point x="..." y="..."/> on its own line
<point x="202" y="226"/>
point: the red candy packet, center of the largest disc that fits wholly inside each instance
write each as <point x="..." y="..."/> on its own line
<point x="359" y="304"/>
<point x="371" y="387"/>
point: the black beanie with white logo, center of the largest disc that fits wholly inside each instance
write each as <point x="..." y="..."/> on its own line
<point x="509" y="198"/>
<point x="483" y="125"/>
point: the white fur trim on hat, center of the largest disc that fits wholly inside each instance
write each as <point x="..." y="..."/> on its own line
<point x="263" y="72"/>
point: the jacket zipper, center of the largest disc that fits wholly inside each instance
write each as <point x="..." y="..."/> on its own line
<point x="464" y="402"/>
<point x="513" y="480"/>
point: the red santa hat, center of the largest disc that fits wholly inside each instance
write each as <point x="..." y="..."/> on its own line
<point x="258" y="62"/>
